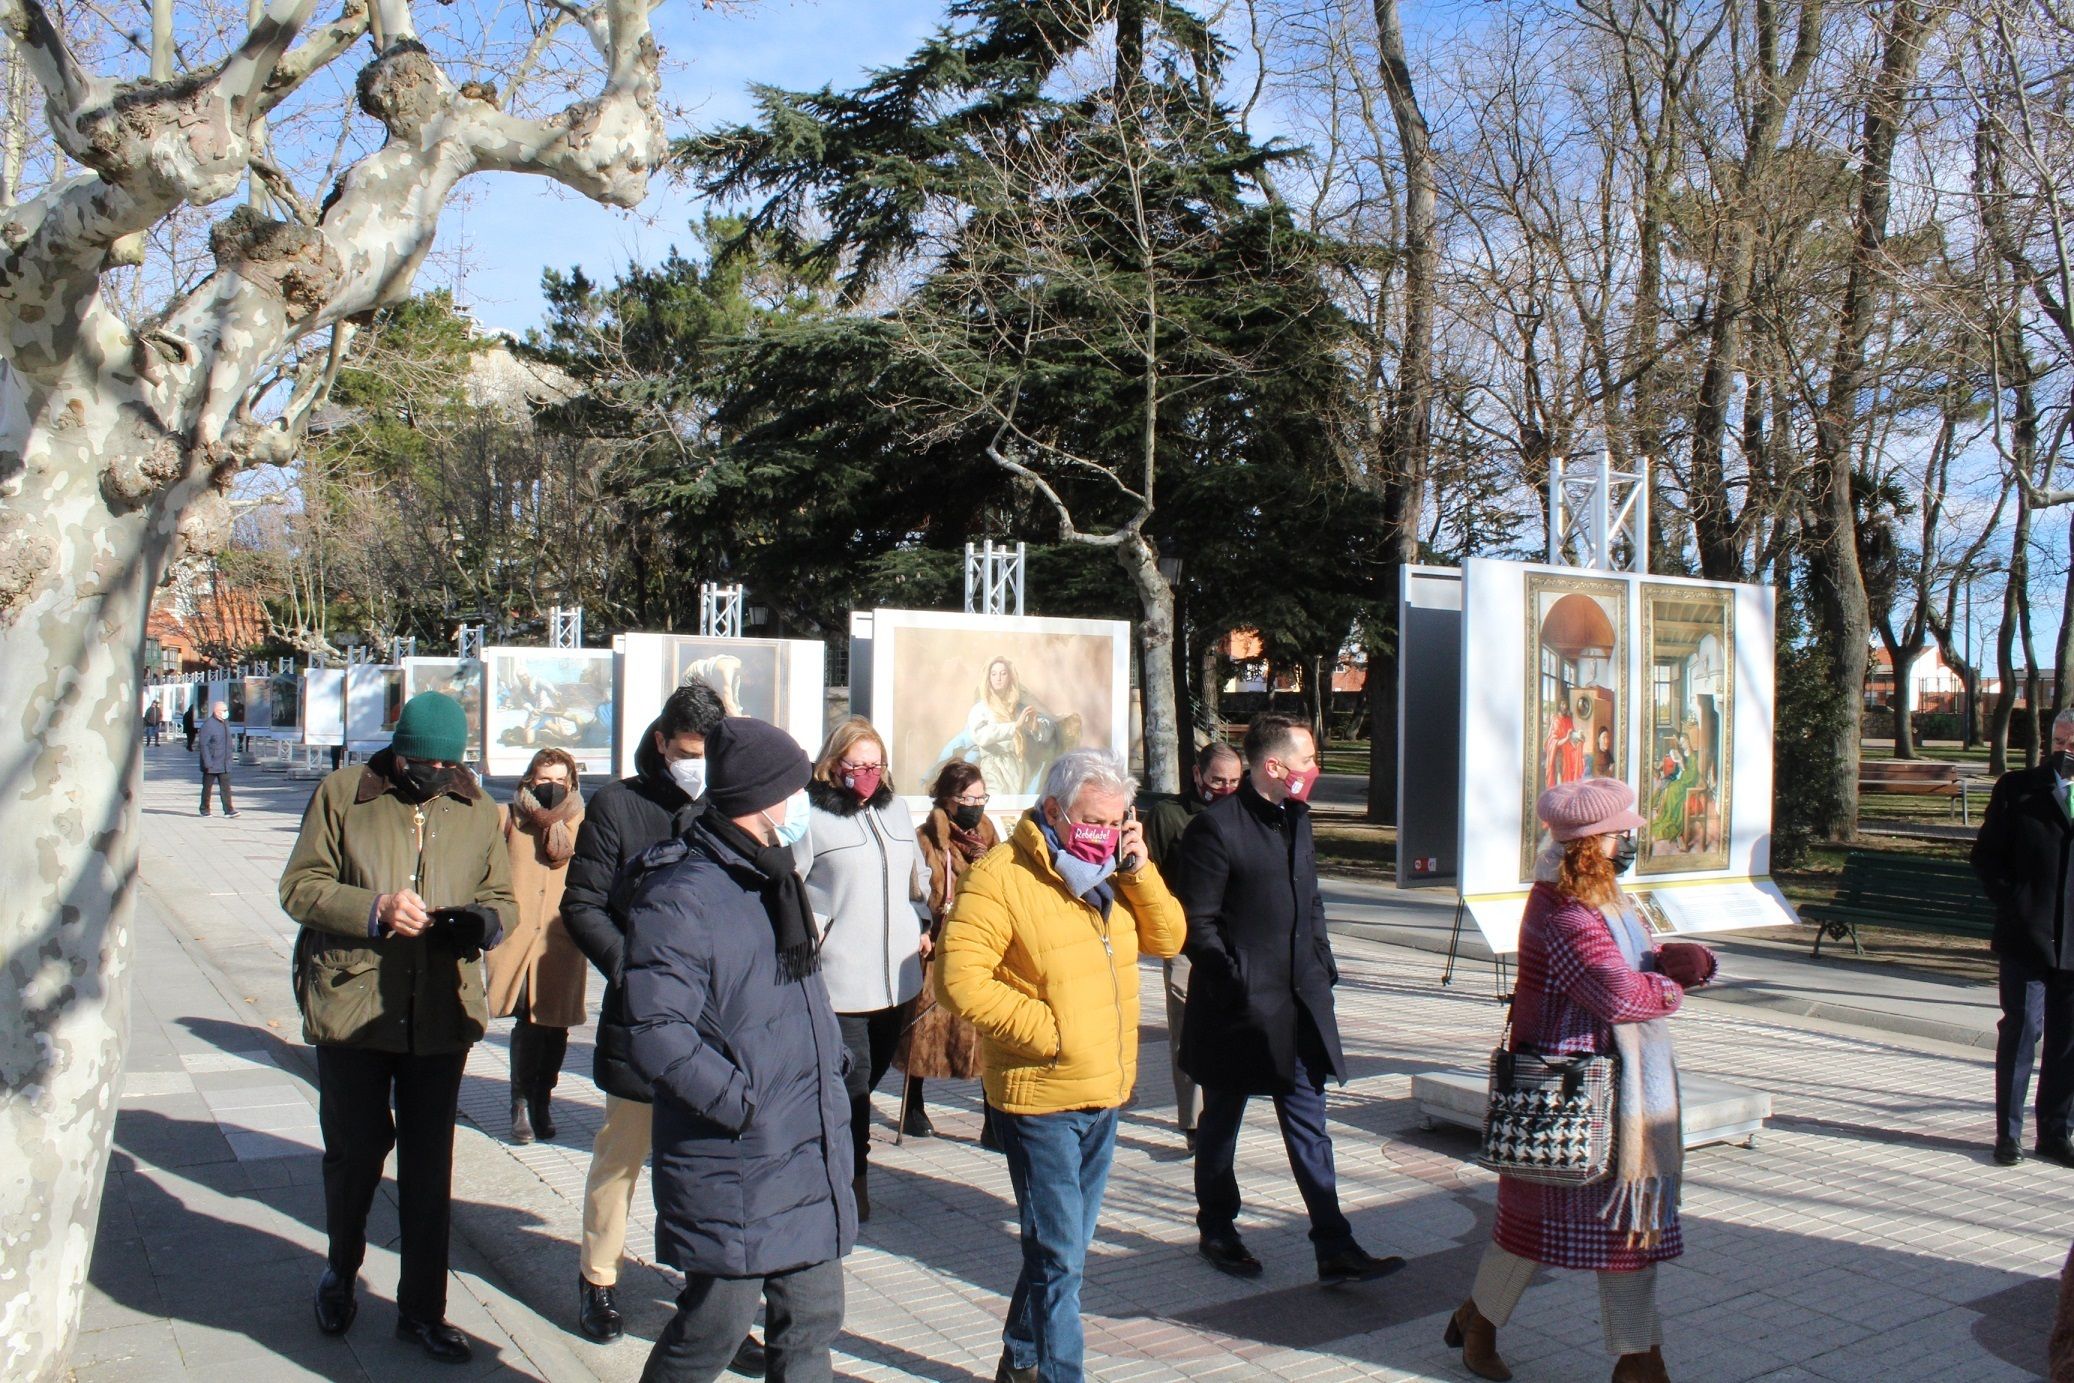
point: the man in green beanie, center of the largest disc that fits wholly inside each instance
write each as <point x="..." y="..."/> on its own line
<point x="400" y="879"/>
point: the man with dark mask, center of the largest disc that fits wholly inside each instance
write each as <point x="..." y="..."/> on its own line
<point x="2024" y="856"/>
<point x="400" y="878"/>
<point x="1218" y="772"/>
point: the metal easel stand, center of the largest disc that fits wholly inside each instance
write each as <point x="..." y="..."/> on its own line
<point x="1499" y="966"/>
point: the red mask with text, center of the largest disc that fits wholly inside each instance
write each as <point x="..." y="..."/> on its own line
<point x="1300" y="784"/>
<point x="1094" y="844"/>
<point x="1216" y="792"/>
<point x="863" y="782"/>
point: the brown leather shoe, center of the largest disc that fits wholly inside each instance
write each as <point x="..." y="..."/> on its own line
<point x="1641" y="1368"/>
<point x="1477" y="1338"/>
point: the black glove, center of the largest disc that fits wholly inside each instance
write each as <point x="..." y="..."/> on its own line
<point x="469" y="931"/>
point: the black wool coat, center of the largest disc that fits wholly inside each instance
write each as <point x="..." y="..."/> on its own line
<point x="752" y="1120"/>
<point x="2024" y="855"/>
<point x="1259" y="956"/>
<point x="620" y="822"/>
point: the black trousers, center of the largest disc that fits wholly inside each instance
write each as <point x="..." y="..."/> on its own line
<point x="367" y="1103"/>
<point x="222" y="781"/>
<point x="1301" y="1113"/>
<point x="2036" y="1003"/>
<point x="871" y="1038"/>
<point x="803" y="1313"/>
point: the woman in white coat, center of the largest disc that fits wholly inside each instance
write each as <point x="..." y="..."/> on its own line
<point x="869" y="893"/>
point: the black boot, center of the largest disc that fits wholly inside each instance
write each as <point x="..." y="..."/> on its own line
<point x="751" y="1359"/>
<point x="543" y="1117"/>
<point x="544" y="1049"/>
<point x="521" y="1124"/>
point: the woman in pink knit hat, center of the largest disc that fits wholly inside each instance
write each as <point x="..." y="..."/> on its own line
<point x="1591" y="979"/>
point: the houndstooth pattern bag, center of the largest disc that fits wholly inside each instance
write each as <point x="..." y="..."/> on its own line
<point x="1548" y="1119"/>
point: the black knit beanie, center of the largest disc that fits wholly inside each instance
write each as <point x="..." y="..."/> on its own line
<point x="752" y="766"/>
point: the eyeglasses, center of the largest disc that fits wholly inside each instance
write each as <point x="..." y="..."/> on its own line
<point x="848" y="766"/>
<point x="970" y="801"/>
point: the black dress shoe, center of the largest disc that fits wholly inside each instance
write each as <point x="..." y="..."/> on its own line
<point x="1352" y="1264"/>
<point x="597" y="1314"/>
<point x="750" y="1360"/>
<point x="916" y="1124"/>
<point x="336" y="1304"/>
<point x="1228" y="1255"/>
<point x="2060" y="1150"/>
<point x="436" y="1338"/>
<point x="2007" y="1153"/>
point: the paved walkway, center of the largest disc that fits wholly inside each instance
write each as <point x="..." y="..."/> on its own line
<point x="1868" y="1236"/>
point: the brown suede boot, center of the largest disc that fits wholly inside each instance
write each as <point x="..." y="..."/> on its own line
<point x="1477" y="1338"/>
<point x="1641" y="1368"/>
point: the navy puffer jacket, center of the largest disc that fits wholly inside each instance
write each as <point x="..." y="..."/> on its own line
<point x="752" y="1124"/>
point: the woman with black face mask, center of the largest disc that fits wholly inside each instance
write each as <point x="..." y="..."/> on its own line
<point x="938" y="1045"/>
<point x="538" y="974"/>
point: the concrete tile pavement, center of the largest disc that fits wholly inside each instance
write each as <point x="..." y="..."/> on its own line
<point x="1867" y="1236"/>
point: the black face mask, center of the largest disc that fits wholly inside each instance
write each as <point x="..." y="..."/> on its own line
<point x="419" y="781"/>
<point x="1624" y="851"/>
<point x="2063" y="763"/>
<point x="549" y="795"/>
<point x="967" y="818"/>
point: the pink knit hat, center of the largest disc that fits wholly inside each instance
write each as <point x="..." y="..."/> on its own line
<point x="1594" y="807"/>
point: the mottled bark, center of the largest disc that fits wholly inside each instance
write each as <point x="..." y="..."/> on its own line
<point x="116" y="449"/>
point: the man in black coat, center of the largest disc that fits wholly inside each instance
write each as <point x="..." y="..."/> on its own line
<point x="621" y="822"/>
<point x="1217" y="773"/>
<point x="732" y="1027"/>
<point x="213" y="754"/>
<point x="2024" y="855"/>
<point x="1260" y="1018"/>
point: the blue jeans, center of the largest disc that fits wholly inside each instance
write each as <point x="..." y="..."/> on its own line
<point x="1059" y="1166"/>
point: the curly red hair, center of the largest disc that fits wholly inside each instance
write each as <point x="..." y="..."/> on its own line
<point x="1587" y="873"/>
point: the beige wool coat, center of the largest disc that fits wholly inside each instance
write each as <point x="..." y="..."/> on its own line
<point x="537" y="959"/>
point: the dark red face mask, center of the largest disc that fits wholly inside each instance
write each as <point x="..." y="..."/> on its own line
<point x="864" y="782"/>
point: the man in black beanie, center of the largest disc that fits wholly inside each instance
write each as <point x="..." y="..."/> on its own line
<point x="732" y="1027"/>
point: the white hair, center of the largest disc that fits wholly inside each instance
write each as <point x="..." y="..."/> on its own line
<point x="2062" y="720"/>
<point x="1076" y="770"/>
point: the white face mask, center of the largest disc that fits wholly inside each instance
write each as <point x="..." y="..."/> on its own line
<point x="689" y="774"/>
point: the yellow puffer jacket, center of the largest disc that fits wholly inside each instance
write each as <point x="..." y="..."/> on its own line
<point x="1050" y="984"/>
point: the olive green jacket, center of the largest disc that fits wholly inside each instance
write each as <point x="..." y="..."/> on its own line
<point x="361" y="839"/>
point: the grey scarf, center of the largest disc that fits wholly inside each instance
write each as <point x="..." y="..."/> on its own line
<point x="1649" y="1133"/>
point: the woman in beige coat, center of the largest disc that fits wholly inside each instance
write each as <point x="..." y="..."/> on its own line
<point x="538" y="973"/>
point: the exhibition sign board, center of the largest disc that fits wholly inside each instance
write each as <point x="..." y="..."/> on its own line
<point x="323" y="706"/>
<point x="776" y="680"/>
<point x="284" y="693"/>
<point x="1006" y="693"/>
<point x="1662" y="682"/>
<point x="256" y="695"/>
<point x="547" y="698"/>
<point x="374" y="700"/>
<point x="1429" y="725"/>
<point x="460" y="678"/>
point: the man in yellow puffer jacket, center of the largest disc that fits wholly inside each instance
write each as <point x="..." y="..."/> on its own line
<point x="1040" y="954"/>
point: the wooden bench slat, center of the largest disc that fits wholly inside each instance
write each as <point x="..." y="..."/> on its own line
<point x="1906" y="892"/>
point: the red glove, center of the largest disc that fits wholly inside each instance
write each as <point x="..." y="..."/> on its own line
<point x="1687" y="962"/>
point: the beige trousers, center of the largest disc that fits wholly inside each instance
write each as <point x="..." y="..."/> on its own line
<point x="1627" y="1301"/>
<point x="608" y="1192"/>
<point x="1188" y="1100"/>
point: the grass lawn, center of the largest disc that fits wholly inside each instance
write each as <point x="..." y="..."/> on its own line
<point x="1346" y="756"/>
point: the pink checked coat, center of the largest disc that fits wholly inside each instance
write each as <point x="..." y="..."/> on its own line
<point x="1574" y="985"/>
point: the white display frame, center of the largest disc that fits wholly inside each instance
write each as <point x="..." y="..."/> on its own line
<point x="502" y="760"/>
<point x="1736" y="896"/>
<point x="881" y="693"/>
<point x="642" y="681"/>
<point x="367" y="698"/>
<point x="323" y="707"/>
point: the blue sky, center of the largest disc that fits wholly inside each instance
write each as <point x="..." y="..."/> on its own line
<point x="512" y="227"/>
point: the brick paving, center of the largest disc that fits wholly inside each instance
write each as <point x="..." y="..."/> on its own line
<point x="1867" y="1236"/>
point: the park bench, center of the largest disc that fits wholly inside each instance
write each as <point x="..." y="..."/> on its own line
<point x="1922" y="778"/>
<point x="1912" y="892"/>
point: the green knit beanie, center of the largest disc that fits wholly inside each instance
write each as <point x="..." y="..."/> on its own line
<point x="432" y="726"/>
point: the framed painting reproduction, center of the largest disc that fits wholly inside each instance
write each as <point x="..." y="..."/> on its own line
<point x="547" y="698"/>
<point x="1688" y="769"/>
<point x="1005" y="693"/>
<point x="1575" y="690"/>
